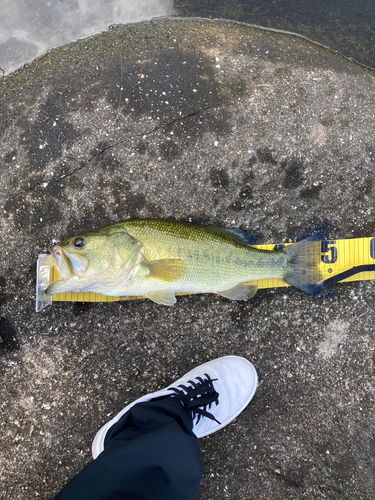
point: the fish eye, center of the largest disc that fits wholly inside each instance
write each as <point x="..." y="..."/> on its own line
<point x="79" y="243"/>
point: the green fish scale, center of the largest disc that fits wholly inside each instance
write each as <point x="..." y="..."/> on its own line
<point x="212" y="256"/>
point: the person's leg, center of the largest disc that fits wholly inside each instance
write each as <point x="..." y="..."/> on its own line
<point x="151" y="453"/>
<point x="150" y="450"/>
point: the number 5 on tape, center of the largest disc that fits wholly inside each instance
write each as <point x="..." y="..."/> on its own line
<point x="329" y="252"/>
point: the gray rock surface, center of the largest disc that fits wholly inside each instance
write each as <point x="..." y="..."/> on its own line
<point x="215" y="123"/>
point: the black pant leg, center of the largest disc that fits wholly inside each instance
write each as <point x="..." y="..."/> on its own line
<point x="150" y="454"/>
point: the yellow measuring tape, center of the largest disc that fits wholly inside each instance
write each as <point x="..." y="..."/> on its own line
<point x="340" y="261"/>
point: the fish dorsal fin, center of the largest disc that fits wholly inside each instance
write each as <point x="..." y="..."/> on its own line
<point x="242" y="237"/>
<point x="168" y="270"/>
<point x="242" y="291"/>
<point x="165" y="297"/>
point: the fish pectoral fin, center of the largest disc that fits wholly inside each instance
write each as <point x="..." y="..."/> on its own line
<point x="168" y="270"/>
<point x="242" y="291"/>
<point x="165" y="297"/>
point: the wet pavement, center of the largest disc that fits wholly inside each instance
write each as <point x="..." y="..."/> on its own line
<point x="210" y="122"/>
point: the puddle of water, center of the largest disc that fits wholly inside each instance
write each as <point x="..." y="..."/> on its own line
<point x="28" y="28"/>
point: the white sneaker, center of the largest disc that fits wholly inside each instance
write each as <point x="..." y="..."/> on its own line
<point x="224" y="386"/>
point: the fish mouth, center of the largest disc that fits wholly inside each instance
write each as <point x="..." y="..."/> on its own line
<point x="58" y="257"/>
<point x="68" y="264"/>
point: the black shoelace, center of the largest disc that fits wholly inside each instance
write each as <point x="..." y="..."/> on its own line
<point x="197" y="397"/>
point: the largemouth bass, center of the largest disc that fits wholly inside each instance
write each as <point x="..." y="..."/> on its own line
<point x="158" y="258"/>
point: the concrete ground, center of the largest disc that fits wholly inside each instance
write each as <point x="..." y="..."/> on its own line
<point x="209" y="122"/>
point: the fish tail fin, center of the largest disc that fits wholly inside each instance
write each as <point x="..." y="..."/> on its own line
<point x="302" y="269"/>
